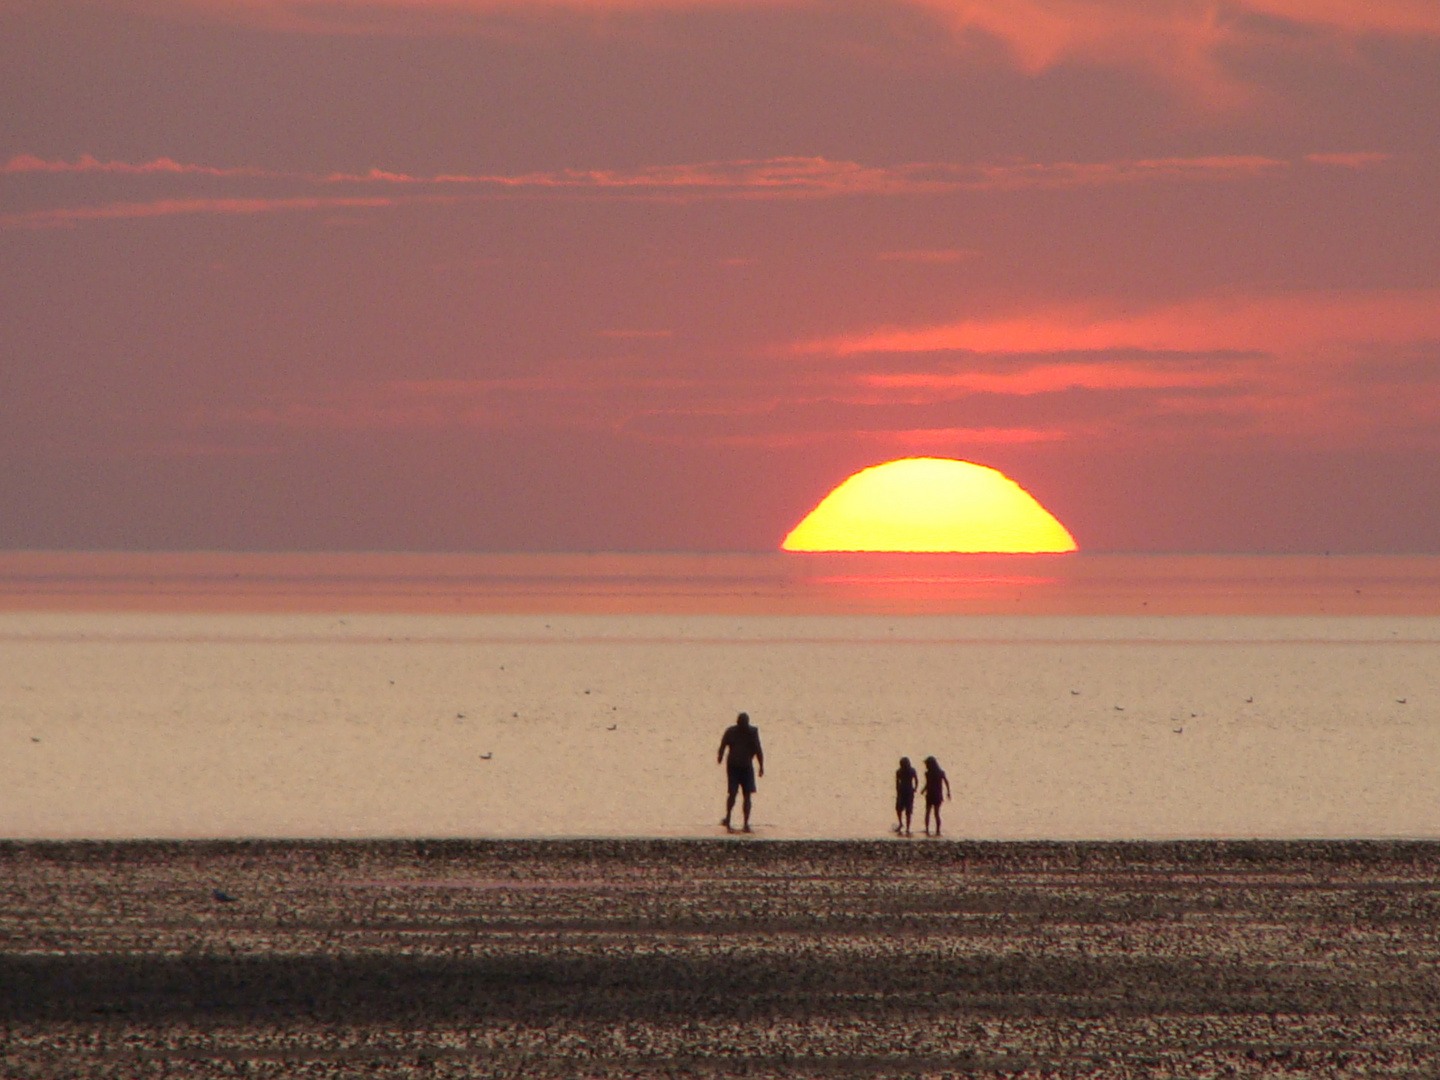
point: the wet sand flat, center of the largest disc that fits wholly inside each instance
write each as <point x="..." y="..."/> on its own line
<point x="715" y="957"/>
<point x="368" y="726"/>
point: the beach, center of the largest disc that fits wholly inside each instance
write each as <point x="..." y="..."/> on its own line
<point x="611" y="958"/>
<point x="462" y="820"/>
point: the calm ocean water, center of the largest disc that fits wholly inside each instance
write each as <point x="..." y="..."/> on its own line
<point x="428" y="695"/>
<point x="754" y="584"/>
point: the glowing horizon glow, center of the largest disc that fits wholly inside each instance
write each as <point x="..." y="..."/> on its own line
<point x="929" y="504"/>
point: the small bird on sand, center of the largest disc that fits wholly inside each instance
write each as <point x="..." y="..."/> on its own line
<point x="1178" y="730"/>
<point x="1119" y="708"/>
<point x="487" y="756"/>
<point x="1249" y="701"/>
<point x="1076" y="692"/>
<point x="1398" y="701"/>
<point x="612" y="727"/>
<point x="222" y="896"/>
<point x="34" y="739"/>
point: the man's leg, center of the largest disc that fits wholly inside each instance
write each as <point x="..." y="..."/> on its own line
<point x="730" y="807"/>
<point x="746" y="810"/>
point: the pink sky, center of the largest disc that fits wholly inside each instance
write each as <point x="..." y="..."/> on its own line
<point x="656" y="274"/>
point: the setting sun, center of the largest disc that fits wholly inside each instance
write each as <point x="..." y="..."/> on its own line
<point x="929" y="504"/>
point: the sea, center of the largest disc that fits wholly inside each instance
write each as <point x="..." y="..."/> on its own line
<point x="381" y="695"/>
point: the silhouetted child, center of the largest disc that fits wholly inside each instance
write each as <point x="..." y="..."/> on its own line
<point x="906" y="781"/>
<point x="936" y="791"/>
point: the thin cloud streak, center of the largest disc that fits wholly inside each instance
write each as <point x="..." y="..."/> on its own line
<point x="925" y="256"/>
<point x="774" y="178"/>
<point x="1267" y="324"/>
<point x="802" y="175"/>
<point x="70" y="216"/>
<point x="1050" y="378"/>
<point x="85" y="163"/>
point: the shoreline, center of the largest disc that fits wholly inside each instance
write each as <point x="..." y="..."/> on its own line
<point x="942" y="849"/>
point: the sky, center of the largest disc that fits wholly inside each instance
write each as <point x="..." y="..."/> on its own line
<point x="457" y="275"/>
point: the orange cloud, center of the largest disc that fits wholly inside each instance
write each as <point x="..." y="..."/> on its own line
<point x="1263" y="324"/>
<point x="1179" y="40"/>
<point x="1052" y="378"/>
<point x="1314" y="368"/>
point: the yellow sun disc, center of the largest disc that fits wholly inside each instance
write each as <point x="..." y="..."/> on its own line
<point x="929" y="504"/>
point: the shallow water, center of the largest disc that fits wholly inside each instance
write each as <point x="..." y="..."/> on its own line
<point x="370" y="724"/>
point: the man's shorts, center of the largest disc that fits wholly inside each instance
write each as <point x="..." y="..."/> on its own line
<point x="742" y="778"/>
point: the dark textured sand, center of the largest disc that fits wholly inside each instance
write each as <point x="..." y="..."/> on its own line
<point x="704" y="958"/>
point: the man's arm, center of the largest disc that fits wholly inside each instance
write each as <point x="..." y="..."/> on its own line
<point x="759" y="754"/>
<point x="724" y="742"/>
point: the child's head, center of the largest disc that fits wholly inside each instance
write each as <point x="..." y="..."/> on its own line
<point x="904" y="763"/>
<point x="931" y="763"/>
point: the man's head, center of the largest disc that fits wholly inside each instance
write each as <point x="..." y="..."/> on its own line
<point x="743" y="719"/>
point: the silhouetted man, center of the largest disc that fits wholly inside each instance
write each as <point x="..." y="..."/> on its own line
<point x="743" y="742"/>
